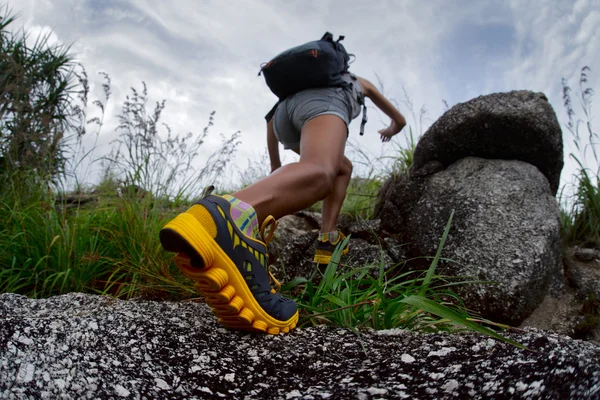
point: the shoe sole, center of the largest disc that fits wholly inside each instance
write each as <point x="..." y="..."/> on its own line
<point x="321" y="259"/>
<point x="201" y="259"/>
<point x="325" y="258"/>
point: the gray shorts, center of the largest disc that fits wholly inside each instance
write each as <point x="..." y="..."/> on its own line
<point x="298" y="109"/>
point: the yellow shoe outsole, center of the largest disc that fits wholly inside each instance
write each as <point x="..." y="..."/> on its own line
<point x="323" y="257"/>
<point x="218" y="278"/>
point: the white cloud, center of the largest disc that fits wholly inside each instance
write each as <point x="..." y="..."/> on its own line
<point x="38" y="35"/>
<point x="555" y="40"/>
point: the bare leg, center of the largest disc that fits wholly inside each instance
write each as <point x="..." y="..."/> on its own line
<point x="333" y="203"/>
<point x="296" y="186"/>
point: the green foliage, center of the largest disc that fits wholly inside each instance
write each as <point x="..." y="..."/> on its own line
<point x="359" y="298"/>
<point x="48" y="249"/>
<point x="580" y="216"/>
<point x="139" y="266"/>
<point x="584" y="225"/>
<point x="38" y="87"/>
<point x="360" y="198"/>
<point x="402" y="161"/>
<point x="40" y="254"/>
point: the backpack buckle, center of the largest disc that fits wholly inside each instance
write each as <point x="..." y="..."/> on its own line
<point x="327" y="36"/>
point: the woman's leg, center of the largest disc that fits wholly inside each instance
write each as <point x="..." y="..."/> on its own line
<point x="231" y="267"/>
<point x="332" y="204"/>
<point x="296" y="186"/>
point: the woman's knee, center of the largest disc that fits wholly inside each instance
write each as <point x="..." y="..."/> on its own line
<point x="327" y="175"/>
<point x="321" y="179"/>
<point x="346" y="167"/>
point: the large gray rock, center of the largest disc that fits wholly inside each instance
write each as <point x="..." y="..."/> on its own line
<point x="87" y="347"/>
<point x="519" y="125"/>
<point x="399" y="195"/>
<point x="506" y="228"/>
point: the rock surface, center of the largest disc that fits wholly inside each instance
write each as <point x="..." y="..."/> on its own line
<point x="518" y="125"/>
<point x="582" y="267"/>
<point x="83" y="346"/>
<point x="505" y="229"/>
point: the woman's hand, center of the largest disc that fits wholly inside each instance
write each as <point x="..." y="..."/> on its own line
<point x="398" y="120"/>
<point x="390" y="131"/>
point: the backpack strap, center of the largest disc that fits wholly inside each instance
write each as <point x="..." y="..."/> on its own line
<point x="361" y="100"/>
<point x="271" y="113"/>
<point x="364" y="118"/>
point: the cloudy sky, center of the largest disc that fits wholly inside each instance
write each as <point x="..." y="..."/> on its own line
<point x="204" y="55"/>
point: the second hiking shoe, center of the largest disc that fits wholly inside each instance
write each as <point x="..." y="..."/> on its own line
<point x="324" y="250"/>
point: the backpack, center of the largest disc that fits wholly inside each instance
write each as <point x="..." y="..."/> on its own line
<point x="320" y="63"/>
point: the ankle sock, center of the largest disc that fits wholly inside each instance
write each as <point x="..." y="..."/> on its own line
<point x="331" y="236"/>
<point x="244" y="216"/>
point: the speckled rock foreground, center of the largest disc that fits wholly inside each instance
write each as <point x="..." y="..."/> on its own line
<point x="82" y="346"/>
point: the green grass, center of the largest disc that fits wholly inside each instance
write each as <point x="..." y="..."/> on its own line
<point x="402" y="160"/>
<point x="580" y="210"/>
<point x="581" y="223"/>
<point x="140" y="267"/>
<point x="42" y="256"/>
<point x="361" y="197"/>
<point x="358" y="298"/>
<point x="112" y="248"/>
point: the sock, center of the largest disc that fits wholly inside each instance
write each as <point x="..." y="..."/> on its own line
<point x="331" y="236"/>
<point x="244" y="216"/>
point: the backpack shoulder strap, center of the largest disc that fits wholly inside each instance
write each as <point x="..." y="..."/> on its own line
<point x="271" y="113"/>
<point x="360" y="97"/>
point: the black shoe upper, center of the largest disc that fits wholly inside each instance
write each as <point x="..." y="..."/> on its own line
<point x="249" y="256"/>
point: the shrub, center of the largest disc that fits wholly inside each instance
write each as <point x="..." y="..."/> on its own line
<point x="38" y="108"/>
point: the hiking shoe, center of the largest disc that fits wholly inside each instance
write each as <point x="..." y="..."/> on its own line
<point x="230" y="268"/>
<point x="325" y="250"/>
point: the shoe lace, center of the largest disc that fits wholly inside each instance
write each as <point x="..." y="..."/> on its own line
<point x="271" y="223"/>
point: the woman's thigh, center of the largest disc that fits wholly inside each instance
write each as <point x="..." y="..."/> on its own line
<point x="295" y="112"/>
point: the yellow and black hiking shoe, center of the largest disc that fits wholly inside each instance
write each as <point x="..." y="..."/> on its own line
<point x="324" y="250"/>
<point x="230" y="268"/>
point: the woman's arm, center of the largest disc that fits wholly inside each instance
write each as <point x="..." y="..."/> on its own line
<point x="273" y="147"/>
<point x="398" y="121"/>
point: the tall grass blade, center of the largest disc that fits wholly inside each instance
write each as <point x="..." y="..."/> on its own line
<point x="446" y="313"/>
<point x="438" y="254"/>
